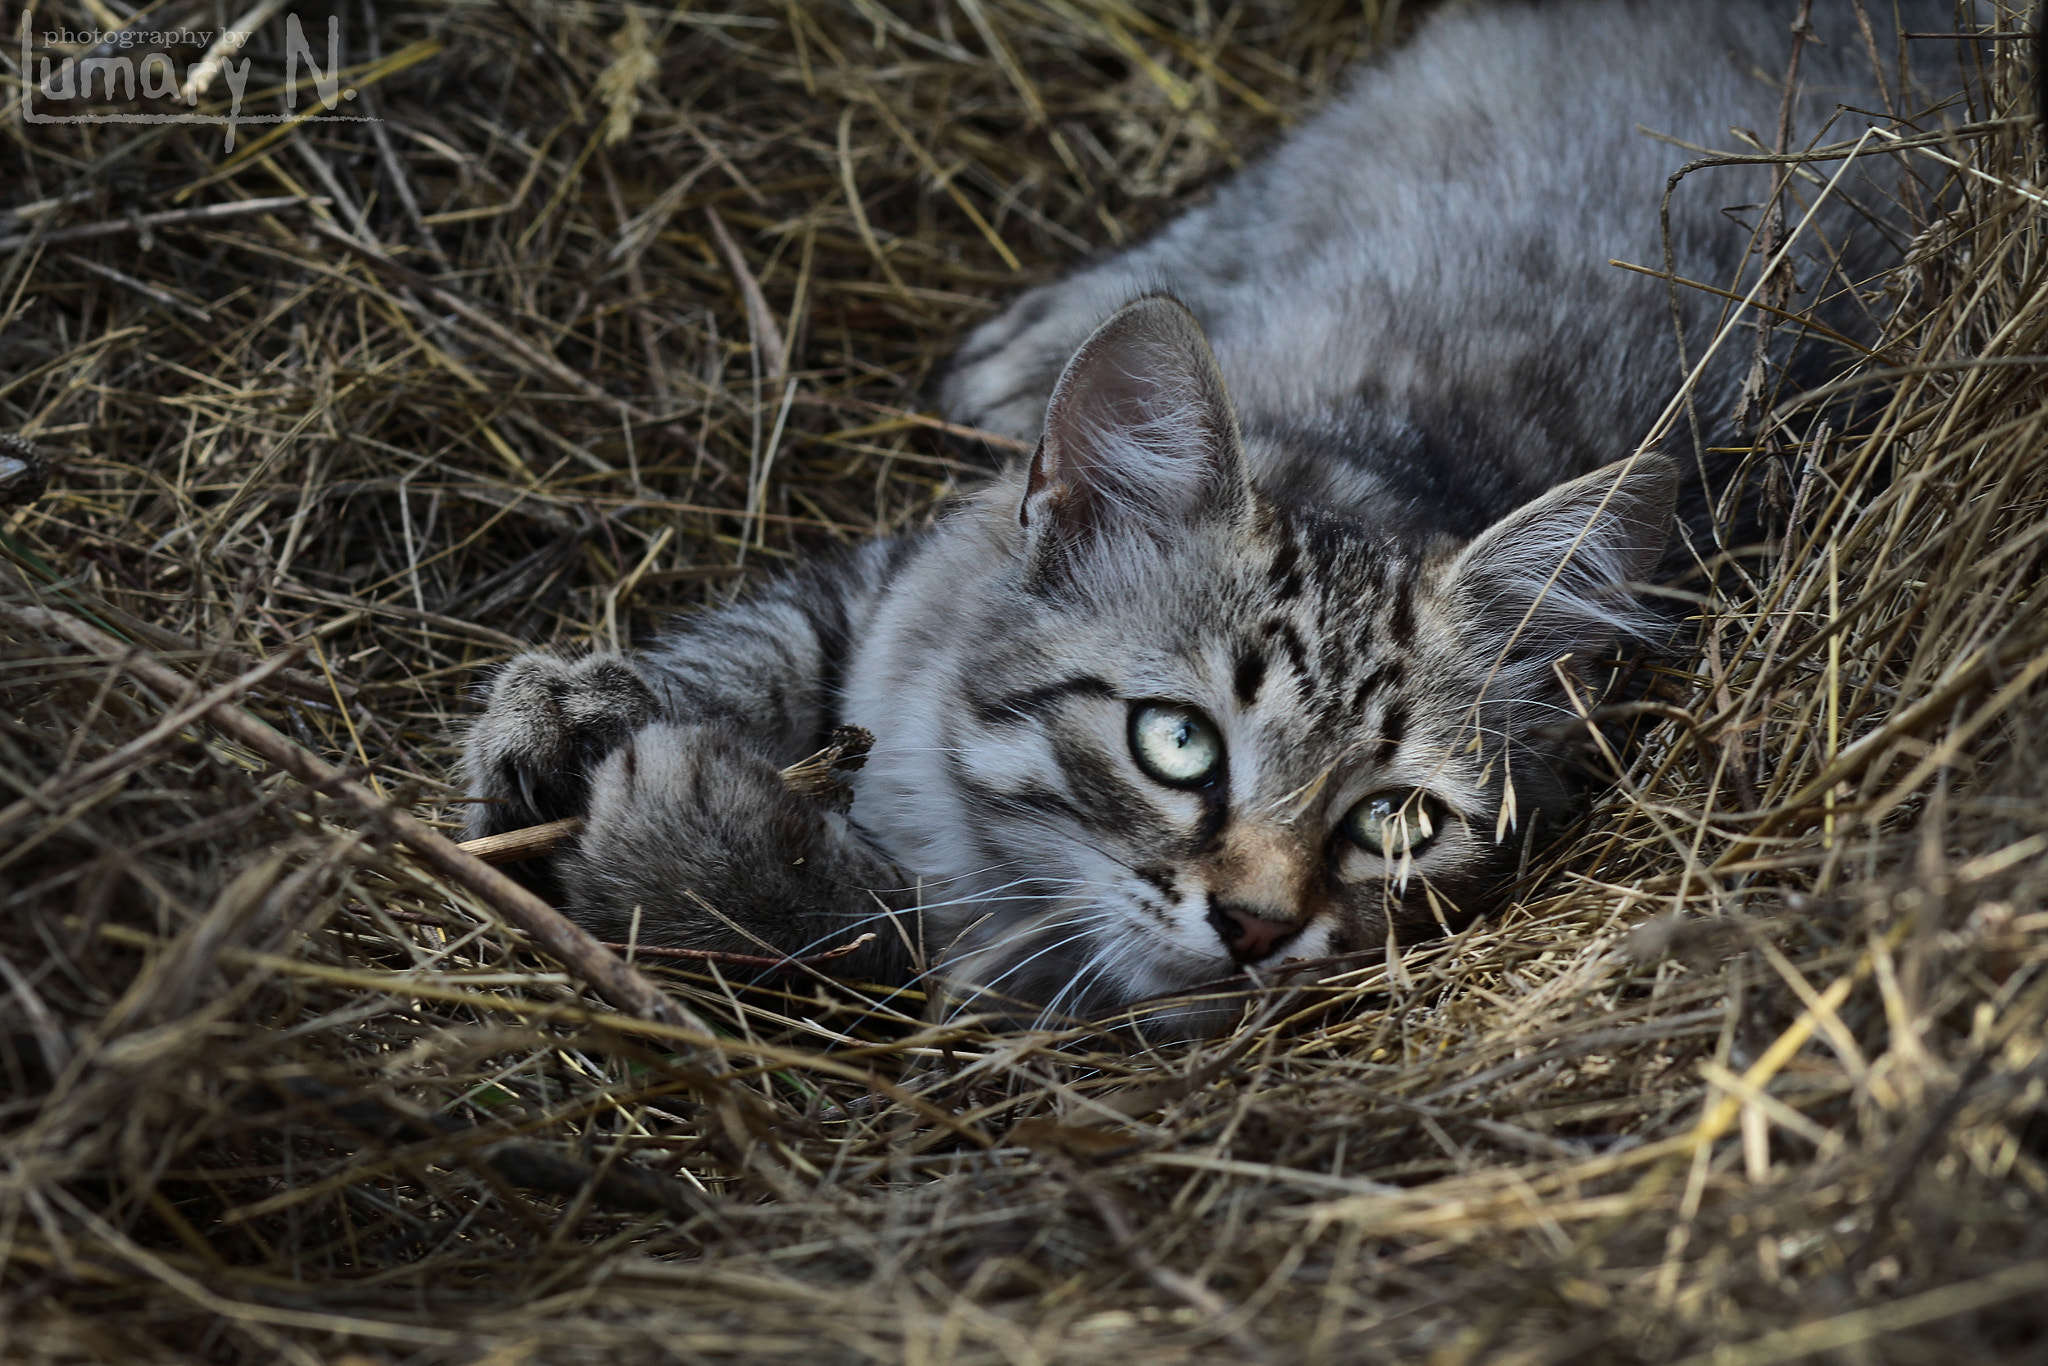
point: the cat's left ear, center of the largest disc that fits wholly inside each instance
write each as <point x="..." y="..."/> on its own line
<point x="1139" y="436"/>
<point x="1557" y="573"/>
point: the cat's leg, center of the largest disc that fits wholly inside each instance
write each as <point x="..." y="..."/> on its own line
<point x="673" y="759"/>
<point x="694" y="840"/>
<point x="528" y="758"/>
<point x="764" y="669"/>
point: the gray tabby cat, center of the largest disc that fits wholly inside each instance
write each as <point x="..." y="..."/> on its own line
<point x="1264" y="654"/>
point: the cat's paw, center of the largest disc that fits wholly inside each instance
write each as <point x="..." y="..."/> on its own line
<point x="549" y="722"/>
<point x="695" y="840"/>
<point x="1003" y="375"/>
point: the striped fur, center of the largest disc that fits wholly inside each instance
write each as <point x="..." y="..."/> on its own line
<point x="1365" y="552"/>
<point x="1335" y="660"/>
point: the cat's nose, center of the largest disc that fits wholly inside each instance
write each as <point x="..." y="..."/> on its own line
<point x="1250" y="938"/>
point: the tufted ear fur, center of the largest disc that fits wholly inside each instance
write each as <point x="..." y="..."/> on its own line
<point x="1139" y="436"/>
<point x="1557" y="571"/>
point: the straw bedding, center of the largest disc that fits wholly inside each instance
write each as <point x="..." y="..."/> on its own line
<point x="617" y="308"/>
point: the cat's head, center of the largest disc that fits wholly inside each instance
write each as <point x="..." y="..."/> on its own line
<point x="1203" y="731"/>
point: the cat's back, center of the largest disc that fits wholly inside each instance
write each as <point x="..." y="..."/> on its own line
<point x="1411" y="296"/>
<point x="1452" y="215"/>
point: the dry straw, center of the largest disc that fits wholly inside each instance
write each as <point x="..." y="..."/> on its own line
<point x="618" y="306"/>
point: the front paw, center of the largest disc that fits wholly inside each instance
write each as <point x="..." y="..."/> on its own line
<point x="694" y="840"/>
<point x="548" y="724"/>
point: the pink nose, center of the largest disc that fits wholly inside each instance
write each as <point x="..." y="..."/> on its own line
<point x="1250" y="938"/>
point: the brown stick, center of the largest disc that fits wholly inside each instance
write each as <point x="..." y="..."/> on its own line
<point x="846" y="403"/>
<point x="623" y="1185"/>
<point x="516" y="846"/>
<point x="215" y="660"/>
<point x="1188" y="1289"/>
<point x="65" y="785"/>
<point x="562" y="939"/>
<point x="817" y="777"/>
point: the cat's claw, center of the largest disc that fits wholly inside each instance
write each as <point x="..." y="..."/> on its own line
<point x="548" y="724"/>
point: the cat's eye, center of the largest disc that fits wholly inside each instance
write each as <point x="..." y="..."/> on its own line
<point x="1392" y="824"/>
<point x="1176" y="745"/>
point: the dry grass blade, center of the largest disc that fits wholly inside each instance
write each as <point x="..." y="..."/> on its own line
<point x="516" y="846"/>
<point x="619" y="306"/>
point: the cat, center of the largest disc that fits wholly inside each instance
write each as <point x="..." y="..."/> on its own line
<point x="1276" y="646"/>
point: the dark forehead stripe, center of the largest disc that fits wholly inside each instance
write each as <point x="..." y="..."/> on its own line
<point x="1250" y="675"/>
<point x="1285" y="573"/>
<point x="1401" y="612"/>
<point x="1393" y="727"/>
<point x="1387" y="675"/>
<point x="1334" y="658"/>
<point x="1282" y="630"/>
<point x="1016" y="706"/>
<point x="1399" y="586"/>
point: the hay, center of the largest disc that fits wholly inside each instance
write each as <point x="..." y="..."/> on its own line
<point x="618" y="307"/>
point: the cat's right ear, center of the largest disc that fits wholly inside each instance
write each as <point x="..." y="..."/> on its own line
<point x="1139" y="437"/>
<point x="1558" y="574"/>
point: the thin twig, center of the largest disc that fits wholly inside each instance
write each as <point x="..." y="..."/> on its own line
<point x="168" y="218"/>
<point x="163" y="298"/>
<point x="767" y="332"/>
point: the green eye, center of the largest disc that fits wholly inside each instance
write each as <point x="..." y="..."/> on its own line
<point x="1176" y="745"/>
<point x="1391" y="824"/>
